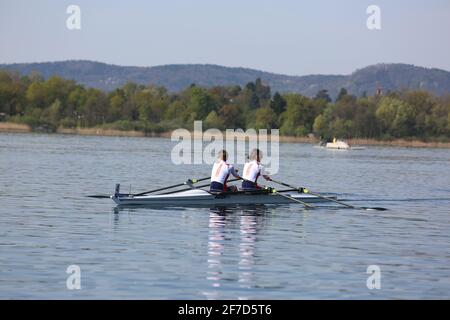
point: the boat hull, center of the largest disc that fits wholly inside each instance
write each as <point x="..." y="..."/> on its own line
<point x="204" y="198"/>
<point x="341" y="145"/>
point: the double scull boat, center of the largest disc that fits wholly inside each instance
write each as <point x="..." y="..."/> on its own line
<point x="197" y="197"/>
<point x="200" y="197"/>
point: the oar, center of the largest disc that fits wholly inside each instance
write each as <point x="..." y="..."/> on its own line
<point x="198" y="187"/>
<point x="99" y="196"/>
<point x="307" y="205"/>
<point x="305" y="190"/>
<point x="189" y="181"/>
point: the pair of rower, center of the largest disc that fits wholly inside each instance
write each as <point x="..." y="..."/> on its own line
<point x="252" y="171"/>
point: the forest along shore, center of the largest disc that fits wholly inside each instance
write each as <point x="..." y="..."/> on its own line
<point x="10" y="127"/>
<point x="403" y="118"/>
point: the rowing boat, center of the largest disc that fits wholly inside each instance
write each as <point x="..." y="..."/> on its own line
<point x="197" y="197"/>
<point x="200" y="197"/>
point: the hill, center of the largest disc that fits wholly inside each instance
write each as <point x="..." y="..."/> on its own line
<point x="177" y="77"/>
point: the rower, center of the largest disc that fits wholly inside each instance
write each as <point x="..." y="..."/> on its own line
<point x="220" y="173"/>
<point x="252" y="170"/>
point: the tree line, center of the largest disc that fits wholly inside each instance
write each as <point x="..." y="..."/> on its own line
<point x="58" y="102"/>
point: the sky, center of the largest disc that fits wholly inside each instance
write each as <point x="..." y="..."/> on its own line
<point x="284" y="36"/>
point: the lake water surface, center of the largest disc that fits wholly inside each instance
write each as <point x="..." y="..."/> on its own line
<point x="47" y="224"/>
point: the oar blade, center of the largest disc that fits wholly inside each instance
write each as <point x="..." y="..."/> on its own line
<point x="374" y="208"/>
<point x="99" y="196"/>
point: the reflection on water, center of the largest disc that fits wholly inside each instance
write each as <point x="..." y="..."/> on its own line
<point x="250" y="219"/>
<point x="216" y="249"/>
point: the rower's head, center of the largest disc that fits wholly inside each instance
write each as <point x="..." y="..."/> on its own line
<point x="222" y="155"/>
<point x="256" y="154"/>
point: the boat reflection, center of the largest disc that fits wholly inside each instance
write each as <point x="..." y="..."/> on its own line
<point x="248" y="220"/>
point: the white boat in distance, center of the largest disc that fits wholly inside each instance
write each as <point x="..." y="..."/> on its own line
<point x="200" y="197"/>
<point x="337" y="144"/>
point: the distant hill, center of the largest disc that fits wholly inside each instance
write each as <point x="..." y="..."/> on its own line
<point x="177" y="77"/>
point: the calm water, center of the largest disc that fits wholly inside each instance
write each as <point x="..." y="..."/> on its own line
<point x="47" y="224"/>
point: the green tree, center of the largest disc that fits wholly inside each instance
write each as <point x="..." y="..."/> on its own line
<point x="404" y="122"/>
<point x="278" y="104"/>
<point x="177" y="110"/>
<point x="264" y="118"/>
<point x="365" y="124"/>
<point x="75" y="102"/>
<point x="300" y="112"/>
<point x="94" y="110"/>
<point x="36" y="95"/>
<point x="232" y="116"/>
<point x="200" y="103"/>
<point x="448" y="124"/>
<point x="436" y="122"/>
<point x="397" y="118"/>
<point x="322" y="123"/>
<point x="341" y="128"/>
<point x="57" y="88"/>
<point x="54" y="113"/>
<point x="151" y="104"/>
<point x="342" y="93"/>
<point x="214" y="121"/>
<point x="262" y="91"/>
<point x="422" y="102"/>
<point x="12" y="93"/>
<point x="116" y="105"/>
<point x="386" y="113"/>
<point x="320" y="126"/>
<point x="250" y="96"/>
<point x="323" y="95"/>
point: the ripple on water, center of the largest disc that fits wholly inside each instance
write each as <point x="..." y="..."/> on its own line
<point x="46" y="224"/>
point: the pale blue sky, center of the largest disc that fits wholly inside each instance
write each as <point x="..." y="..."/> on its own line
<point x="284" y="36"/>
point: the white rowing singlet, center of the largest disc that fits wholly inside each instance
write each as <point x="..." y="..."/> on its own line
<point x="220" y="172"/>
<point x="252" y="170"/>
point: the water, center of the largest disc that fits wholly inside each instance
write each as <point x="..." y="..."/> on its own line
<point x="47" y="224"/>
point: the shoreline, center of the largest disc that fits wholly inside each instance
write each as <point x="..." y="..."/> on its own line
<point x="10" y="127"/>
